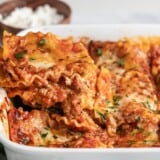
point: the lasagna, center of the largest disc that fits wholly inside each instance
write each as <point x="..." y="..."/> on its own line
<point x="62" y="93"/>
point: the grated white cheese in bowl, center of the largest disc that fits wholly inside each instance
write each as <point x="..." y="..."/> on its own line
<point x="25" y="17"/>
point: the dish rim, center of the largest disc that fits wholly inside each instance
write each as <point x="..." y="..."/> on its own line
<point x="40" y="150"/>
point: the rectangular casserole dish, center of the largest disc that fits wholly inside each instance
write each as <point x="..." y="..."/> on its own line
<point x="96" y="32"/>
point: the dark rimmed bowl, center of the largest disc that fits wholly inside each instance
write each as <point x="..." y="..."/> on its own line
<point x="7" y="7"/>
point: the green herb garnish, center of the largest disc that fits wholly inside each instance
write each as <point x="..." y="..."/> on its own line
<point x="113" y="107"/>
<point x="121" y="62"/>
<point x="147" y="133"/>
<point x="99" y="52"/>
<point x="115" y="103"/>
<point x="116" y="100"/>
<point x="20" y="55"/>
<point x="42" y="42"/>
<point x="31" y="59"/>
<point x="108" y="101"/>
<point x="149" y="141"/>
<point x="148" y="105"/>
<point x="44" y="135"/>
<point x="102" y="115"/>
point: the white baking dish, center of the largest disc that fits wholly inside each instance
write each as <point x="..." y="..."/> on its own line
<point x="100" y="32"/>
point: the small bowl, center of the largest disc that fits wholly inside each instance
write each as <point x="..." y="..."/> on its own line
<point x="7" y="7"/>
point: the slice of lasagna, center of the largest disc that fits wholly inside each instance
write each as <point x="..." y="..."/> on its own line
<point x="59" y="80"/>
<point x="44" y="70"/>
<point x="132" y="111"/>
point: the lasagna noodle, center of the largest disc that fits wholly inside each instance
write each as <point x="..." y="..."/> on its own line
<point x="66" y="76"/>
<point x="35" y="128"/>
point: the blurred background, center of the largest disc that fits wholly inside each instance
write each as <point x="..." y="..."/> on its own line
<point x="76" y="12"/>
<point x="115" y="11"/>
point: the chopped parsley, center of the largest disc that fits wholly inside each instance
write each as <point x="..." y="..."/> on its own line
<point x="116" y="100"/>
<point x="102" y="115"/>
<point x="148" y="105"/>
<point x="108" y="101"/>
<point x="121" y="62"/>
<point x="137" y="130"/>
<point x="42" y="42"/>
<point x="31" y="59"/>
<point x="147" y="133"/>
<point x="99" y="52"/>
<point x="113" y="106"/>
<point x="44" y="135"/>
<point x="20" y="55"/>
<point x="148" y="141"/>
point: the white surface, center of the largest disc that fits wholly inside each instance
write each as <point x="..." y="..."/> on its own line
<point x="114" y="11"/>
<point x="104" y="32"/>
